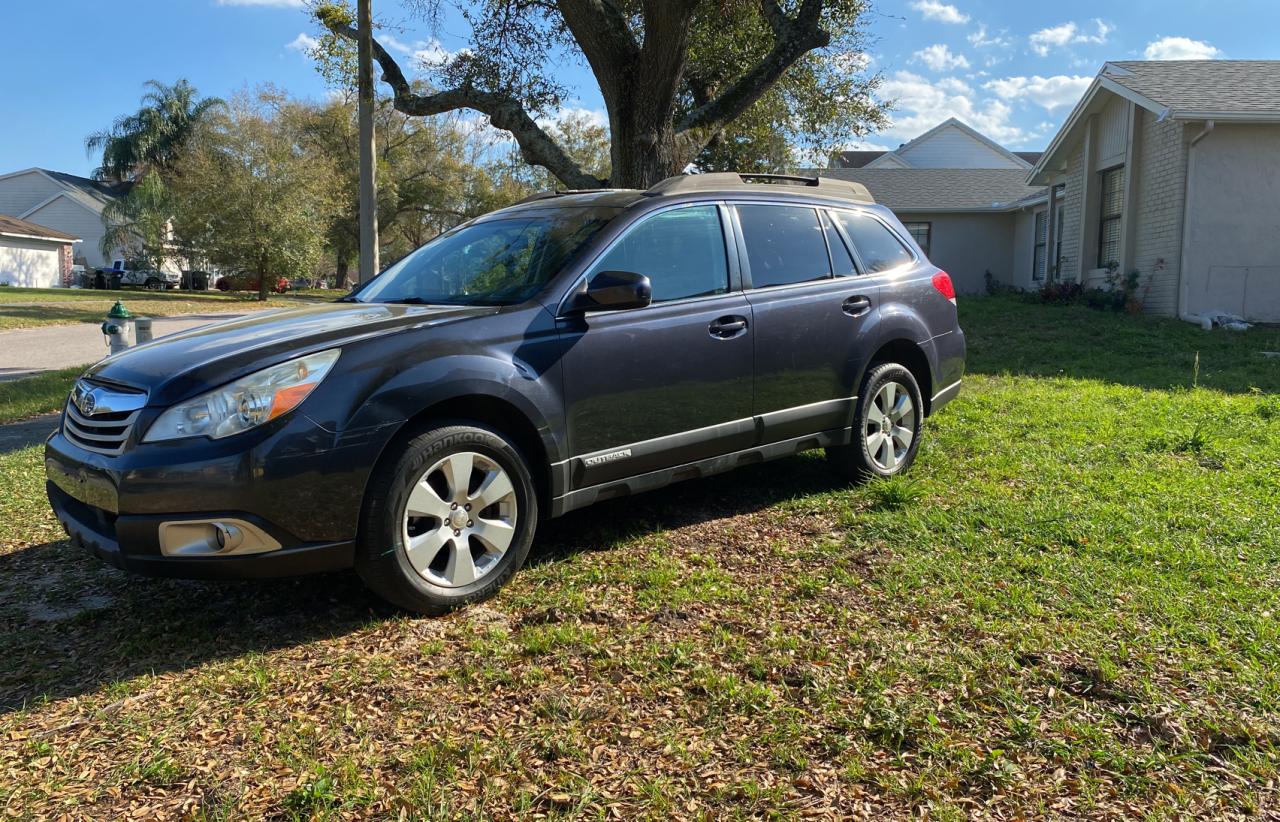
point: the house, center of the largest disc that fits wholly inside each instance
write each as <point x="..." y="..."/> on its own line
<point x="65" y="203"/>
<point x="1171" y="169"/>
<point x="964" y="198"/>
<point x="32" y="255"/>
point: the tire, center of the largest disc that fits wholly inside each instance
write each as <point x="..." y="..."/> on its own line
<point x="880" y="448"/>
<point x="419" y="547"/>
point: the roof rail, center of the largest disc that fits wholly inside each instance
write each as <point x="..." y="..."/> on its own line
<point x="718" y="181"/>
<point x="561" y="192"/>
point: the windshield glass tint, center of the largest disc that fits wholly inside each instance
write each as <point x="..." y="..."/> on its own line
<point x="495" y="262"/>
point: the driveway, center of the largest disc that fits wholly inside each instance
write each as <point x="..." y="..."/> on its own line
<point x="29" y="351"/>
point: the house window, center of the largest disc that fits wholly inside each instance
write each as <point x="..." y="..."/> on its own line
<point x="1041" y="261"/>
<point x="1110" y="214"/>
<point x="920" y="233"/>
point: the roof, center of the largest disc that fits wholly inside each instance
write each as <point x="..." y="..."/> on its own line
<point x="854" y="159"/>
<point x="1193" y="89"/>
<point x="1228" y="90"/>
<point x="941" y="189"/>
<point x="13" y="227"/>
<point x="100" y="191"/>
<point x="1031" y="157"/>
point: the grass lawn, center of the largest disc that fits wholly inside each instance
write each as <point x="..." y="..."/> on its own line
<point x="1070" y="609"/>
<point x="31" y="307"/>
<point x="41" y="394"/>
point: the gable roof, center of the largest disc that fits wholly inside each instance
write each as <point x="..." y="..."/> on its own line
<point x="940" y="189"/>
<point x="100" y="191"/>
<point x="854" y="159"/>
<point x="1230" y="90"/>
<point x="1200" y="89"/>
<point x="13" y="227"/>
<point x="952" y="122"/>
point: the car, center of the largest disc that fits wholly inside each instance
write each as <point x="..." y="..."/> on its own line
<point x="135" y="273"/>
<point x="573" y="348"/>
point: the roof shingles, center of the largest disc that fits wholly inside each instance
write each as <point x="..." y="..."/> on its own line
<point x="940" y="189"/>
<point x="1183" y="86"/>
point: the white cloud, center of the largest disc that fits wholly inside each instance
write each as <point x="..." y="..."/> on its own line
<point x="283" y="4"/>
<point x="940" y="58"/>
<point x="980" y="39"/>
<point x="304" y="43"/>
<point x="942" y="12"/>
<point x="1047" y="92"/>
<point x="1180" y="48"/>
<point x="1045" y="40"/>
<point x="430" y="53"/>
<point x="921" y="104"/>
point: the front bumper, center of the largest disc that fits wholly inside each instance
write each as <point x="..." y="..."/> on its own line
<point x="103" y="534"/>
<point x="296" y="482"/>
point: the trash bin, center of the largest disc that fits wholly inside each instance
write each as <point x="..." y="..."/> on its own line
<point x="200" y="280"/>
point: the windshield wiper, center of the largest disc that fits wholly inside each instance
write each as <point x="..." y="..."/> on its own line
<point x="408" y="301"/>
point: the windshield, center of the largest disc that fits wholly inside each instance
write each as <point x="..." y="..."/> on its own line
<point x="494" y="262"/>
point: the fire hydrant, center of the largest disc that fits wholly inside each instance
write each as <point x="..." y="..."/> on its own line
<point x="116" y="327"/>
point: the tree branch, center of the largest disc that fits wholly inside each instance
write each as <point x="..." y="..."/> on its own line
<point x="794" y="37"/>
<point x="504" y="111"/>
<point x="601" y="30"/>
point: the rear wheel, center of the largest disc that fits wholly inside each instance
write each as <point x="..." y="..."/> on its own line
<point x="886" y="427"/>
<point x="154" y="285"/>
<point x="448" y="520"/>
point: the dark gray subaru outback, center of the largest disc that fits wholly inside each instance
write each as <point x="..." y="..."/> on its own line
<point x="572" y="348"/>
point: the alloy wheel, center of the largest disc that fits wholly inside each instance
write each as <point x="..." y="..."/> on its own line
<point x="891" y="425"/>
<point x="460" y="519"/>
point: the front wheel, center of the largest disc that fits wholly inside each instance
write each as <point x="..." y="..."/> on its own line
<point x="154" y="285"/>
<point x="447" y="521"/>
<point x="886" y="425"/>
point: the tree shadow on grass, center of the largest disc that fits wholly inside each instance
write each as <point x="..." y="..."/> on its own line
<point x="1014" y="335"/>
<point x="70" y="625"/>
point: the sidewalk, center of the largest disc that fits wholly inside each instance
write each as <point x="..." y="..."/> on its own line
<point x="29" y="351"/>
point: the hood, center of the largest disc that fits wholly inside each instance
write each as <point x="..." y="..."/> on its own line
<point x="183" y="364"/>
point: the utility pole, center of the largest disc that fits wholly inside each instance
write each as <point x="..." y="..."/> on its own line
<point x="368" y="163"/>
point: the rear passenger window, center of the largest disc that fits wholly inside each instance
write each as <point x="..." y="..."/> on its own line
<point x="841" y="259"/>
<point x="681" y="252"/>
<point x="784" y="244"/>
<point x="878" y="248"/>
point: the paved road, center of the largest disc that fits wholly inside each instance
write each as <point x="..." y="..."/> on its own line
<point x="29" y="351"/>
<point x="18" y="435"/>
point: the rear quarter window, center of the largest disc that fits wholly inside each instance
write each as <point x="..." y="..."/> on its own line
<point x="878" y="247"/>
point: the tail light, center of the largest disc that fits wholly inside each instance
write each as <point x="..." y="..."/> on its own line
<point x="942" y="282"/>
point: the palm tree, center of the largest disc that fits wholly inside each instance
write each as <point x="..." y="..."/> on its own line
<point x="151" y="138"/>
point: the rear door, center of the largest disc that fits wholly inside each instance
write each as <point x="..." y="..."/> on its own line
<point x="811" y="310"/>
<point x="650" y="388"/>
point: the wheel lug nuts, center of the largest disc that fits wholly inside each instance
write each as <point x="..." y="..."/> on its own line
<point x="457" y="533"/>
<point x="453" y="505"/>
<point x="469" y="523"/>
<point x="467" y="506"/>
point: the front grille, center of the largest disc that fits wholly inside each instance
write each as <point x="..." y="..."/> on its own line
<point x="104" y="431"/>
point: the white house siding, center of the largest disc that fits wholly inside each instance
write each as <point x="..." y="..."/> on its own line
<point x="952" y="148"/>
<point x="30" y="263"/>
<point x="1160" y="177"/>
<point x="24" y="191"/>
<point x="966" y="246"/>
<point x="1113" y="134"/>
<point x="1232" y="259"/>
<point x="68" y="215"/>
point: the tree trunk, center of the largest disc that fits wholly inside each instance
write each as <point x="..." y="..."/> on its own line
<point x="644" y="153"/>
<point x="343" y="274"/>
<point x="262" y="281"/>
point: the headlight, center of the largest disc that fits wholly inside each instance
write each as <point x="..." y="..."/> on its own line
<point x="246" y="403"/>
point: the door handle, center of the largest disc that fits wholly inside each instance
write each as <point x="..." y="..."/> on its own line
<point x="856" y="306"/>
<point x="728" y="327"/>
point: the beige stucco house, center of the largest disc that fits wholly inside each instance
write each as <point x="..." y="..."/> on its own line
<point x="964" y="198"/>
<point x="1172" y="169"/>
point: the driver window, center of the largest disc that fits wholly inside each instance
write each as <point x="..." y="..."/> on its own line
<point x="681" y="252"/>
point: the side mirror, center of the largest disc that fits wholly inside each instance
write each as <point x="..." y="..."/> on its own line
<point x="613" y="291"/>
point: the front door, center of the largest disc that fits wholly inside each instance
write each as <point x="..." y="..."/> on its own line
<point x="656" y="387"/>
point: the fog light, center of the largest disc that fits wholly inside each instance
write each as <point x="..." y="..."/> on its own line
<point x="209" y="537"/>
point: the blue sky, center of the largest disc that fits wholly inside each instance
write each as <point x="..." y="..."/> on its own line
<point x="1009" y="68"/>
